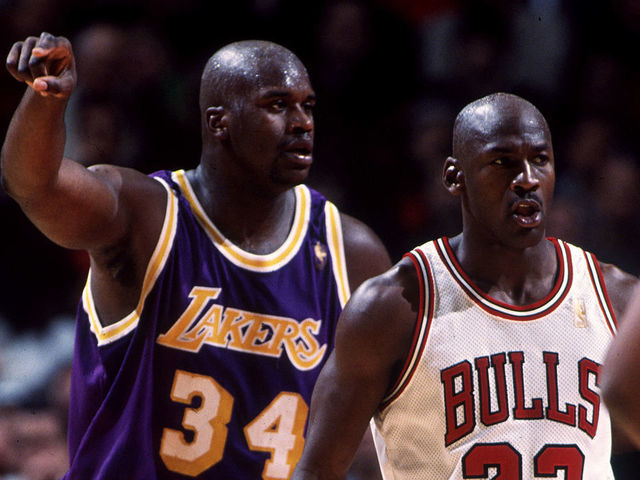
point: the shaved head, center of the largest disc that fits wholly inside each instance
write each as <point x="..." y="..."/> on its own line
<point x="479" y="120"/>
<point x="503" y="170"/>
<point x="247" y="65"/>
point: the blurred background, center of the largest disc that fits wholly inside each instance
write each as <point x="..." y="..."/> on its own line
<point x="390" y="76"/>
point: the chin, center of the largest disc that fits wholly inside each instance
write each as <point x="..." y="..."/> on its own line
<point x="291" y="178"/>
<point x="528" y="238"/>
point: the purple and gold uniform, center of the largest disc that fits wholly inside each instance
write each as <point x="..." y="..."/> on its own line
<point x="211" y="375"/>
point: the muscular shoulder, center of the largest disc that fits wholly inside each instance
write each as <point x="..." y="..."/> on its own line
<point x="130" y="182"/>
<point x="366" y="256"/>
<point x="381" y="315"/>
<point x="138" y="215"/>
<point x="397" y="286"/>
<point x="620" y="286"/>
<point x="120" y="262"/>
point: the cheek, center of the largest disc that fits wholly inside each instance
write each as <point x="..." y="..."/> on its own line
<point x="254" y="141"/>
<point x="488" y="193"/>
<point x="268" y="133"/>
<point x="548" y="187"/>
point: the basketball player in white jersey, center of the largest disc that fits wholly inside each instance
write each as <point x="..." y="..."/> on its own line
<point x="478" y="356"/>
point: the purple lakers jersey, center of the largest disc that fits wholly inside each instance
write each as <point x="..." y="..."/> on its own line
<point x="211" y="375"/>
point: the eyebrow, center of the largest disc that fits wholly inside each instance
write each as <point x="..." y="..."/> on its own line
<point x="283" y="93"/>
<point x="507" y="147"/>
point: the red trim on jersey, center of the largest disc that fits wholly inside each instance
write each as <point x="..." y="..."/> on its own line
<point x="430" y="306"/>
<point x="412" y="361"/>
<point x="600" y="281"/>
<point x="513" y="312"/>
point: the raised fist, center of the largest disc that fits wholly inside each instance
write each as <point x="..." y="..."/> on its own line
<point x="45" y="63"/>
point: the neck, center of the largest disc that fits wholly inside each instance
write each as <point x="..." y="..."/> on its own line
<point x="256" y="223"/>
<point x="517" y="276"/>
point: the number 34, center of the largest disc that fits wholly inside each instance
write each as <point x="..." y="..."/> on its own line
<point x="278" y="429"/>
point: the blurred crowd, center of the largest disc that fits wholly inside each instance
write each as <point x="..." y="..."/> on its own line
<point x="390" y="75"/>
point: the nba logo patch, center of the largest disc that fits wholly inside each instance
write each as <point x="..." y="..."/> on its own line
<point x="580" y="313"/>
<point x="320" y="259"/>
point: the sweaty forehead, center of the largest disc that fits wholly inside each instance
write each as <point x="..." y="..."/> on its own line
<point x="495" y="119"/>
<point x="263" y="67"/>
<point x="283" y="70"/>
<point x="502" y="119"/>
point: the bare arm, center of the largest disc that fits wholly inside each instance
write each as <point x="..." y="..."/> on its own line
<point x="372" y="342"/>
<point x="105" y="210"/>
<point x="366" y="257"/>
<point x="365" y="254"/>
<point x="70" y="204"/>
<point x="620" y="286"/>
<point x="621" y="371"/>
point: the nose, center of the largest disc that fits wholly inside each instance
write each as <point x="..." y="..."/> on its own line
<point x="526" y="180"/>
<point x="300" y="120"/>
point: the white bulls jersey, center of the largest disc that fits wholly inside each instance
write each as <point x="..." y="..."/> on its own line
<point x="492" y="390"/>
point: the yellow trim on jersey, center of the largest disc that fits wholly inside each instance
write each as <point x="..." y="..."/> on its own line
<point x="242" y="258"/>
<point x="336" y="247"/>
<point x="158" y="259"/>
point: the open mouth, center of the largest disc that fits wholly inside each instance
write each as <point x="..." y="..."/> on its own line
<point x="302" y="153"/>
<point x="527" y="213"/>
<point x="300" y="156"/>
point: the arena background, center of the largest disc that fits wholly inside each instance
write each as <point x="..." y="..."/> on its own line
<point x="390" y="76"/>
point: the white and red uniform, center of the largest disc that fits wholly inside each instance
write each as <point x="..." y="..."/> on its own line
<point x="492" y="390"/>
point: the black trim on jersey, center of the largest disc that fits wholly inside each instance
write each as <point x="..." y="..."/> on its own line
<point x="498" y="361"/>
<point x="453" y="400"/>
<point x="588" y="367"/>
<point x="560" y="452"/>
<point x="423" y="324"/>
<point x="597" y="280"/>
<point x="520" y="412"/>
<point x="536" y="310"/>
<point x="553" y="412"/>
<point x="482" y="458"/>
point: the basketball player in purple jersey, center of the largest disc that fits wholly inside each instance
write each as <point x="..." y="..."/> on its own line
<point x="478" y="356"/>
<point x="213" y="294"/>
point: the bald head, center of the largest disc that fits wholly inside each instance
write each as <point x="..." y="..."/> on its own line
<point x="482" y="119"/>
<point x="245" y="66"/>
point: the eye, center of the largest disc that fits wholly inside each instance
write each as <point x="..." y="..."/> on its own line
<point x="500" y="161"/>
<point x="309" y="106"/>
<point x="540" y="159"/>
<point x="277" y="105"/>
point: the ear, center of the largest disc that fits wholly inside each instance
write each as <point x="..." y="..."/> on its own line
<point x="217" y="122"/>
<point x="453" y="176"/>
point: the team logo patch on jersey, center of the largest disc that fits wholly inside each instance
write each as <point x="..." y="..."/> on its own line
<point x="320" y="260"/>
<point x="205" y="322"/>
